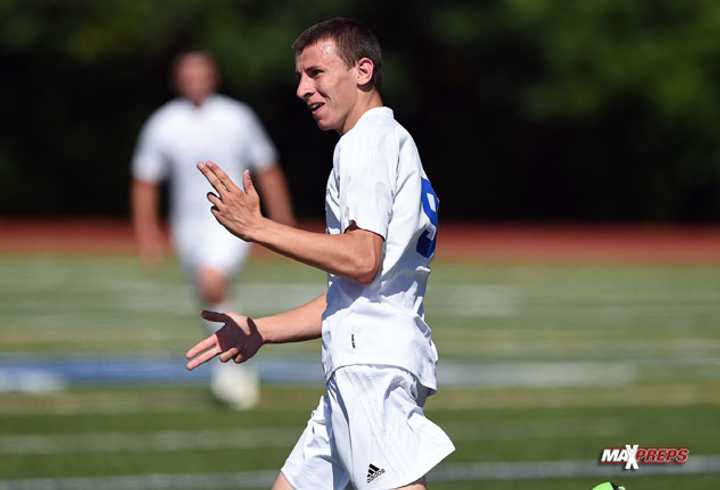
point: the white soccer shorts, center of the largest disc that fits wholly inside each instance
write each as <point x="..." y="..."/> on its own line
<point x="208" y="244"/>
<point x="369" y="430"/>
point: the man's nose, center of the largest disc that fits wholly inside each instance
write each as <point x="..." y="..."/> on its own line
<point x="304" y="88"/>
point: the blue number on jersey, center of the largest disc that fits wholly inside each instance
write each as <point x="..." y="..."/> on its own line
<point x="430" y="203"/>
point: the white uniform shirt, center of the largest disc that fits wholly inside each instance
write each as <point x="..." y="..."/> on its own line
<point x="179" y="135"/>
<point x="378" y="182"/>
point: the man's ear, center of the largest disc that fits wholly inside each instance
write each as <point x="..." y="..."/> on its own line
<point x="364" y="71"/>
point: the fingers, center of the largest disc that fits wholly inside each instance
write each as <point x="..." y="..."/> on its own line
<point x="217" y="177"/>
<point x="214" y="199"/>
<point x="222" y="176"/>
<point x="248" y="183"/>
<point x="202" y="358"/>
<point x="201" y="346"/>
<point x="214" y="316"/>
<point x="229" y="354"/>
<point x="217" y="204"/>
<point x="213" y="178"/>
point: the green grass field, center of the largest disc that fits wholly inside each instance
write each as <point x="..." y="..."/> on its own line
<point x="572" y="358"/>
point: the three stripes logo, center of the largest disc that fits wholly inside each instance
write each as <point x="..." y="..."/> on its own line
<point x="374" y="472"/>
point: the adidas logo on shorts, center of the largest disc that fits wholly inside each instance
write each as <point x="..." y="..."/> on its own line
<point x="374" y="472"/>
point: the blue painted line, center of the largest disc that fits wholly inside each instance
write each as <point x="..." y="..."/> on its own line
<point x="147" y="370"/>
<point x="23" y="371"/>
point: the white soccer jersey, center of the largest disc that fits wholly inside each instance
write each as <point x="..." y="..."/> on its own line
<point x="378" y="182"/>
<point x="179" y="135"/>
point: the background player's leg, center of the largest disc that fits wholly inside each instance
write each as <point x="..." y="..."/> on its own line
<point x="236" y="385"/>
<point x="211" y="284"/>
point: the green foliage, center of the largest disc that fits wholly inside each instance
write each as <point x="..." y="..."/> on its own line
<point x="250" y="39"/>
<point x="599" y="94"/>
<point x="597" y="51"/>
<point x="600" y="50"/>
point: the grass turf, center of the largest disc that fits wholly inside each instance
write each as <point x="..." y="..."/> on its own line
<point x="659" y="320"/>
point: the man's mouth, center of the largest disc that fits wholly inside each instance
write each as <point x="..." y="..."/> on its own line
<point x="315" y="106"/>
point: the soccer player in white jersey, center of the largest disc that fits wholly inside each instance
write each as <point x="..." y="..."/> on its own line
<point x="369" y="429"/>
<point x="198" y="125"/>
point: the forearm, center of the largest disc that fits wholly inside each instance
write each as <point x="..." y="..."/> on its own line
<point x="144" y="207"/>
<point x="348" y="254"/>
<point x="355" y="254"/>
<point x="302" y="323"/>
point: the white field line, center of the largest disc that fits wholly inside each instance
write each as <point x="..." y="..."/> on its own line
<point x="536" y="374"/>
<point x="473" y="300"/>
<point x="535" y="470"/>
<point x="107" y="403"/>
<point x="265" y="437"/>
<point x="463" y="300"/>
<point x="37" y="280"/>
<point x="148" y="441"/>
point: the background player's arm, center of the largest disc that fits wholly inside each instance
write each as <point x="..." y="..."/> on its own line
<point x="276" y="197"/>
<point x="356" y="254"/>
<point x="144" y="203"/>
<point x="241" y="337"/>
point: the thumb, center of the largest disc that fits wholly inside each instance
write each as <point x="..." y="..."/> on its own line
<point x="213" y="316"/>
<point x="248" y="183"/>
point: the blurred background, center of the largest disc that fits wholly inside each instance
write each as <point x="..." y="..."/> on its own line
<point x="575" y="297"/>
<point x="530" y="110"/>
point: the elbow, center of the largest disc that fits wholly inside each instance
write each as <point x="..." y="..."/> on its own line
<point x="364" y="255"/>
<point x="366" y="279"/>
<point x="366" y="270"/>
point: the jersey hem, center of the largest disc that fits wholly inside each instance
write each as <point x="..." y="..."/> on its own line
<point x="429" y="382"/>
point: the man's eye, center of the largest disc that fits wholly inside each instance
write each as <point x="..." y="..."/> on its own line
<point x="315" y="73"/>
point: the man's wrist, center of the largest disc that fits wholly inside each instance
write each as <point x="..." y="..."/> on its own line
<point x="258" y="234"/>
<point x="263" y="330"/>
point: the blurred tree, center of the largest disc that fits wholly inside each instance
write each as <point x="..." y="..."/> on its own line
<point x="523" y="109"/>
<point x="628" y="90"/>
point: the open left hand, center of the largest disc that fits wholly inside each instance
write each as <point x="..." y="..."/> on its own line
<point x="235" y="209"/>
<point x="238" y="339"/>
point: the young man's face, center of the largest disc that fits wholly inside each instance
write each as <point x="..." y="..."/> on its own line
<point x="196" y="77"/>
<point x="326" y="84"/>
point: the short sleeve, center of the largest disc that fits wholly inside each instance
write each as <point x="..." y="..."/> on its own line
<point x="261" y="151"/>
<point x="368" y="175"/>
<point x="149" y="164"/>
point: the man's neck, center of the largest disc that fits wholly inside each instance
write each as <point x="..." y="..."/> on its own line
<point x="199" y="102"/>
<point x="365" y="102"/>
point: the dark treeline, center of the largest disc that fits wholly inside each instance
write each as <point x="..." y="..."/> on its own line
<point x="599" y="110"/>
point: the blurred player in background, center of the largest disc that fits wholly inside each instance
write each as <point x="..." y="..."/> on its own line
<point x="369" y="429"/>
<point x="197" y="126"/>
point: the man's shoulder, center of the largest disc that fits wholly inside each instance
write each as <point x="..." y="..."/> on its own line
<point x="234" y="107"/>
<point x="167" y="112"/>
<point x="381" y="128"/>
<point x="373" y="127"/>
<point x="378" y="118"/>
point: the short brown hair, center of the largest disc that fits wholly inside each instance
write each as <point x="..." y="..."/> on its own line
<point x="201" y="53"/>
<point x="353" y="40"/>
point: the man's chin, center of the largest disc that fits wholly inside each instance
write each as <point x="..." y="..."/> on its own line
<point x="324" y="125"/>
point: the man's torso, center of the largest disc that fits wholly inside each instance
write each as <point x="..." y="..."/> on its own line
<point x="220" y="130"/>
<point x="383" y="322"/>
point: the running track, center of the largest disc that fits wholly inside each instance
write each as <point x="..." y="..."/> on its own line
<point x="608" y="243"/>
